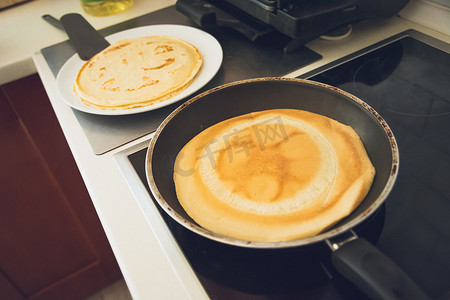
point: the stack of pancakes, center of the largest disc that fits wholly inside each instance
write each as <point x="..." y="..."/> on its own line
<point x="275" y="175"/>
<point x="137" y="72"/>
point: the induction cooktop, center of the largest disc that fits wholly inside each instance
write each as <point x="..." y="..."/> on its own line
<point x="405" y="78"/>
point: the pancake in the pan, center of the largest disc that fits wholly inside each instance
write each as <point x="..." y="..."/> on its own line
<point x="275" y="175"/>
<point x="137" y="72"/>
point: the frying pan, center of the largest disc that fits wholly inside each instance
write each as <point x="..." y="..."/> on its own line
<point x="353" y="257"/>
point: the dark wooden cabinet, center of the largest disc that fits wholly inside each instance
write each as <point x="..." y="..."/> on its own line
<point x="52" y="245"/>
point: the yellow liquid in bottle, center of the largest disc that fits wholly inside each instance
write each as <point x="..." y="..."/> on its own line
<point x="105" y="7"/>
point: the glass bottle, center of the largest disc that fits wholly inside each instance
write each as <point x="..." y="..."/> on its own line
<point x="105" y="7"/>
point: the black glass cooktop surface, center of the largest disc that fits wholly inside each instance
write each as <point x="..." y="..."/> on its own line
<point x="407" y="82"/>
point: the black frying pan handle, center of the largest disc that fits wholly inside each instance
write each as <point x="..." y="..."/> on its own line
<point x="373" y="272"/>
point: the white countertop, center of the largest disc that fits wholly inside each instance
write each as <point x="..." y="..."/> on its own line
<point x="152" y="266"/>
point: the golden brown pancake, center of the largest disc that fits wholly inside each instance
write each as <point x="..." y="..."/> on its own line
<point x="137" y="72"/>
<point x="275" y="175"/>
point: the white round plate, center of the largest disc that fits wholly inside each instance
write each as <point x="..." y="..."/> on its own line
<point x="208" y="46"/>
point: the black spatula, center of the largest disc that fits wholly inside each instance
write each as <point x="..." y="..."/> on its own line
<point x="85" y="40"/>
